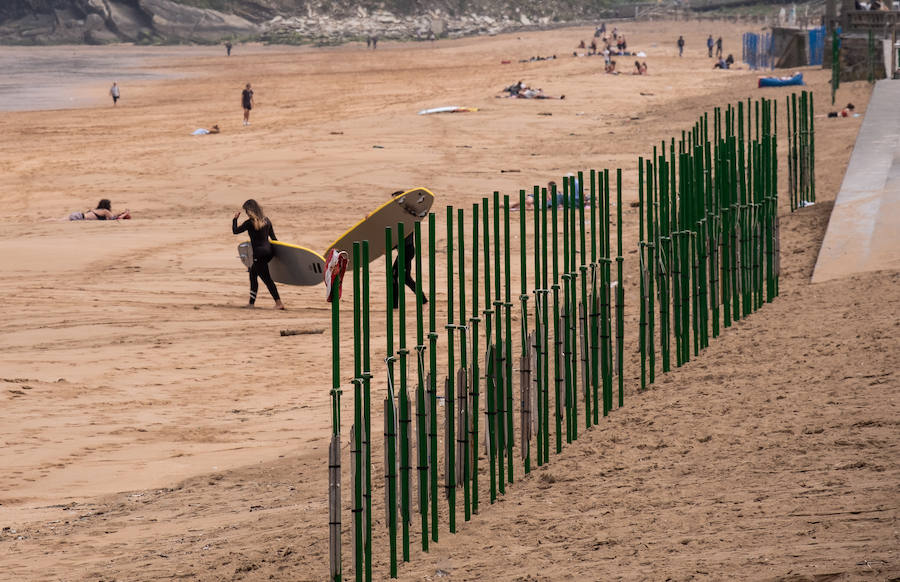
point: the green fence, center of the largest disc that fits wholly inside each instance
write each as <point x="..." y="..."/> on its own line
<point x="708" y="255"/>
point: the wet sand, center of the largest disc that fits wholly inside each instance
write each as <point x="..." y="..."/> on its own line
<point x="153" y="429"/>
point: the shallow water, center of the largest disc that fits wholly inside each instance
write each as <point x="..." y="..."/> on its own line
<point x="64" y="77"/>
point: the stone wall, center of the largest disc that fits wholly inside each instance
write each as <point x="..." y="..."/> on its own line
<point x="855" y="57"/>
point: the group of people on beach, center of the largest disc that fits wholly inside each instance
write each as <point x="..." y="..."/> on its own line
<point x="717" y="43"/>
<point x="613" y="45"/>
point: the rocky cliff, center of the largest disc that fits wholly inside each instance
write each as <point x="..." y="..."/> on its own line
<point x="319" y="21"/>
<point x="102" y="21"/>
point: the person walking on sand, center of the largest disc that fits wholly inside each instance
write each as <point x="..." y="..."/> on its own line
<point x="247" y="103"/>
<point x="719" y="47"/>
<point x="114" y="93"/>
<point x="680" y="46"/>
<point x="709" y="45"/>
<point x="259" y="227"/>
<point x="228" y="48"/>
<point x="409" y="250"/>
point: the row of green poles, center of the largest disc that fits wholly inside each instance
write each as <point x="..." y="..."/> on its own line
<point x="462" y="396"/>
<point x="709" y="238"/>
<point x="801" y="149"/>
<point x="708" y="231"/>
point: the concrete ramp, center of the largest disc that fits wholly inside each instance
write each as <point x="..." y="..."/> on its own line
<point x="864" y="229"/>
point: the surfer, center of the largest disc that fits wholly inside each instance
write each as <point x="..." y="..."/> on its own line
<point x="259" y="227"/>
<point x="409" y="251"/>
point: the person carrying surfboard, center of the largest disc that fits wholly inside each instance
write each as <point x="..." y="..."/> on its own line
<point x="409" y="253"/>
<point x="259" y="227"/>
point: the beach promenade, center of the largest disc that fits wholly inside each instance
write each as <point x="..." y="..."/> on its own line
<point x="864" y="230"/>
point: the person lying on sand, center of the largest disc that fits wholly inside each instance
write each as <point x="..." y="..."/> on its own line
<point x="515" y="88"/>
<point x="845" y="112"/>
<point x="205" y="131"/>
<point x="522" y="91"/>
<point x="574" y="199"/>
<point x="102" y="212"/>
<point x="537" y="94"/>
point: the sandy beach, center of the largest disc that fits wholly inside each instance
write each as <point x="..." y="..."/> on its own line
<point x="155" y="430"/>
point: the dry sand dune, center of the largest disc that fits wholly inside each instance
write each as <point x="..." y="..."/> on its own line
<point x="154" y="430"/>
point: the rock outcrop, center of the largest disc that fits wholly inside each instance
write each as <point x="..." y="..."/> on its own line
<point x="103" y="21"/>
<point x="293" y="21"/>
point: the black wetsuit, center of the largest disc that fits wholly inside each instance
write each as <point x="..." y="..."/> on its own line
<point x="409" y="251"/>
<point x="262" y="254"/>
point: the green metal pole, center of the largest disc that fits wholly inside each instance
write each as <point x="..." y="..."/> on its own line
<point x="557" y="373"/>
<point x="605" y="340"/>
<point x="475" y="380"/>
<point x="642" y="336"/>
<point x="491" y="383"/>
<point x="538" y="331"/>
<point x="499" y="364"/>
<point x="586" y="358"/>
<point x="652" y="267"/>
<point x="545" y="339"/>
<point x="449" y="402"/>
<point x="421" y="402"/>
<point x="432" y="376"/>
<point x="358" y="551"/>
<point x="464" y="422"/>
<point x="508" y="357"/>
<point x="367" y="407"/>
<point x="390" y="436"/>
<point x="405" y="513"/>
<point x="593" y="334"/>
<point x="573" y="311"/>
<point x="620" y="291"/>
<point x="567" y="312"/>
<point x="835" y="64"/>
<point x="334" y="458"/>
<point x="523" y="302"/>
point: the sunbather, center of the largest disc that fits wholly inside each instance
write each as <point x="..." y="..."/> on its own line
<point x="102" y="212"/>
